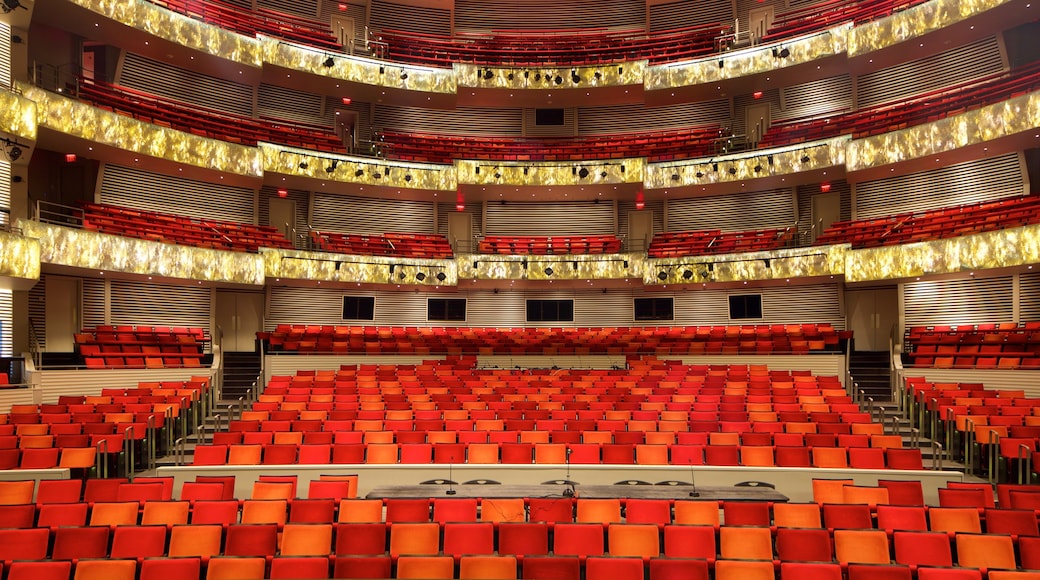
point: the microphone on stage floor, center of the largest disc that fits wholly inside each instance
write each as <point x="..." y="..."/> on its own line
<point x="693" y="482"/>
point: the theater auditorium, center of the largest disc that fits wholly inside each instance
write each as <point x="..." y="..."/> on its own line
<point x="519" y="289"/>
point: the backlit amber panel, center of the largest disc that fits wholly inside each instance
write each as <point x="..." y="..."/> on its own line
<point x="544" y="78"/>
<point x="180" y="29"/>
<point x="17" y="115"/>
<point x="915" y="22"/>
<point x="107" y="128"/>
<point x="556" y="267"/>
<point x="19" y="256"/>
<point x="326" y="267"/>
<point x="366" y="170"/>
<point x="969" y="128"/>
<point x="747" y="61"/>
<point x="487" y="172"/>
<point x="103" y="252"/>
<point x="772" y="265"/>
<point x="996" y="249"/>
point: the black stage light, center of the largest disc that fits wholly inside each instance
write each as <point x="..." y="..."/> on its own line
<point x="420" y="276"/>
<point x="583" y="173"/>
<point x="329" y="62"/>
<point x="687" y="274"/>
<point x="662" y="275"/>
<point x="548" y="271"/>
<point x="331" y="168"/>
<point x="441" y="276"/>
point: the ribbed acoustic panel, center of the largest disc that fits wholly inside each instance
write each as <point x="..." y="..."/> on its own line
<point x="305" y="8"/>
<point x="654" y="205"/>
<point x="741" y="103"/>
<point x="805" y="195"/>
<point x="946" y="68"/>
<point x="362" y="112"/>
<point x="282" y="103"/>
<point x="801" y="304"/>
<point x="567" y="129"/>
<point x="7" y="322"/>
<point x="688" y="13"/>
<point x="733" y="212"/>
<point x="131" y="187"/>
<point x="821" y="97"/>
<point x="409" y="17"/>
<point x="460" y="121"/>
<point x="549" y="14"/>
<point x="94" y="304"/>
<point x="958" y="301"/>
<point x="549" y="219"/>
<point x="37" y="311"/>
<point x="245" y="5"/>
<point x="300" y="199"/>
<point x="636" y="117"/>
<point x="474" y="208"/>
<point x="355" y="10"/>
<point x="365" y="215"/>
<point x="1029" y="297"/>
<point x="160" y="304"/>
<point x="744" y="8"/>
<point x="970" y="182"/>
<point x="5" y="194"/>
<point x="159" y="78"/>
<point x="5" y="55"/>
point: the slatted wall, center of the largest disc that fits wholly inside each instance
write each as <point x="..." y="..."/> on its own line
<point x="243" y="4"/>
<point x="362" y="112"/>
<point x="689" y="13"/>
<point x="95" y="310"/>
<point x="567" y="129"/>
<point x="409" y="17"/>
<point x="5" y="55"/>
<point x="1029" y="296"/>
<point x="292" y="105"/>
<point x="636" y="117"/>
<point x="300" y="199"/>
<point x="549" y="219"/>
<point x="970" y="182"/>
<point x="548" y="14"/>
<point x="132" y="187"/>
<point x="958" y="301"/>
<point x="475" y="209"/>
<point x="160" y="304"/>
<point x="365" y="215"/>
<point x="805" y="195"/>
<point x="158" y="78"/>
<point x="959" y="64"/>
<point x="37" y="310"/>
<point x="780" y="305"/>
<point x="5" y="194"/>
<point x="459" y="121"/>
<point x="305" y="8"/>
<point x="820" y="97"/>
<point x="355" y="10"/>
<point x="773" y="208"/>
<point x="742" y="102"/>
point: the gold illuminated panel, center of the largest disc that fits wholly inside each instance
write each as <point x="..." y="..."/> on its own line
<point x="996" y="249"/>
<point x="107" y="128"/>
<point x="17" y="115"/>
<point x="302" y="163"/>
<point x="326" y="267"/>
<point x="542" y="77"/>
<point x="741" y="167"/>
<point x="19" y="256"/>
<point x="555" y="267"/>
<point x="359" y="70"/>
<point x="772" y="265"/>
<point x="969" y="128"/>
<point x="746" y="62"/>
<point x="103" y="252"/>
<point x="180" y="29"/>
<point x="915" y="22"/>
<point x="602" y="171"/>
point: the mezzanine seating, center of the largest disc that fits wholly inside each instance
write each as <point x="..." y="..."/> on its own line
<point x="549" y="245"/>
<point x="128" y="346"/>
<point x="182" y="230"/>
<point x="262" y="21"/>
<point x="748" y="339"/>
<point x="986" y="346"/>
<point x="935" y="224"/>
<point x="713" y="242"/>
<point x="540" y="48"/>
<point x="410" y="245"/>
<point x="907" y="112"/>
<point x="654" y="145"/>
<point x="823" y="15"/>
<point x="205" y="122"/>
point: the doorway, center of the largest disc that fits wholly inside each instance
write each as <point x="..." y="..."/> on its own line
<point x="343" y="29"/>
<point x="62" y="313"/>
<point x="640" y="230"/>
<point x="759" y="21"/>
<point x="872" y="315"/>
<point x="757" y="118"/>
<point x="826" y="209"/>
<point x="282" y="215"/>
<point x="240" y="316"/>
<point x="460" y="231"/>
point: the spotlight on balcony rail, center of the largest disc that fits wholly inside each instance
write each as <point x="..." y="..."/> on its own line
<point x="583" y="173"/>
<point x="687" y="274"/>
<point x="329" y="62"/>
<point x="732" y="170"/>
<point x="548" y="271"/>
<point x="331" y="168"/>
<point x="805" y="158"/>
<point x="420" y="276"/>
<point x="359" y="173"/>
<point x="662" y="275"/>
<point x="441" y="276"/>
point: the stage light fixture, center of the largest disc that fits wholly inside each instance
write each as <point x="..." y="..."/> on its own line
<point x="331" y="168"/>
<point x="558" y="80"/>
<point x="758" y="168"/>
<point x="303" y="165"/>
<point x="722" y="63"/>
<point x="548" y="271"/>
<point x="509" y="76"/>
<point x="769" y="159"/>
<point x="785" y="52"/>
<point x="401" y="275"/>
<point x="602" y="173"/>
<point x="498" y="175"/>
<point x="715" y="167"/>
<point x="441" y="276"/>
<point x="404" y="76"/>
<point x="662" y="275"/>
<point x="386" y="171"/>
<point x="359" y="173"/>
<point x="574" y="77"/>
<point x="329" y="62"/>
<point x="488" y="74"/>
<point x="687" y="274"/>
<point x="583" y="173"/>
<point x="732" y="170"/>
<point x="699" y="174"/>
<point x="408" y="177"/>
<point x="675" y="177"/>
<point x="420" y="276"/>
<point x="805" y="158"/>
